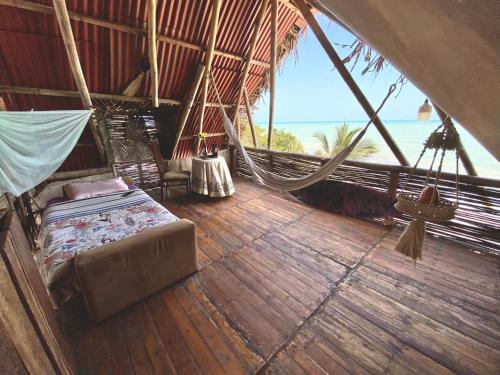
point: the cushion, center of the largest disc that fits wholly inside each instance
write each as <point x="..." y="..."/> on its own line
<point x="81" y="190"/>
<point x="180" y="175"/>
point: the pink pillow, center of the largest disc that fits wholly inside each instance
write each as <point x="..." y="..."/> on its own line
<point x="80" y="190"/>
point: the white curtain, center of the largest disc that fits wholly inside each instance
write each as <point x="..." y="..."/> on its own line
<point x="33" y="145"/>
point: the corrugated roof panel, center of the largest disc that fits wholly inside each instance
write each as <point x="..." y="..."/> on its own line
<point x="32" y="54"/>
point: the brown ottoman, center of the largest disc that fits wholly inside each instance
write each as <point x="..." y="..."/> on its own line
<point x="121" y="273"/>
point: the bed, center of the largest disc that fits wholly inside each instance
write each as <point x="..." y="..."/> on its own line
<point x="98" y="231"/>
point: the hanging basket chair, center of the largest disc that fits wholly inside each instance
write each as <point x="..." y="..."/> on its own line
<point x="428" y="205"/>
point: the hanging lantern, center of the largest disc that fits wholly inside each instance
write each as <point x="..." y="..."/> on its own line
<point x="424" y="111"/>
<point x="428" y="205"/>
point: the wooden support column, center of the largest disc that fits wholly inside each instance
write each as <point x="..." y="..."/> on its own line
<point x="272" y="75"/>
<point x="249" y="116"/>
<point x="188" y="105"/>
<point x="153" y="63"/>
<point x="462" y="154"/>
<point x="246" y="66"/>
<point x="214" y="25"/>
<point x="74" y="62"/>
<point x="344" y="73"/>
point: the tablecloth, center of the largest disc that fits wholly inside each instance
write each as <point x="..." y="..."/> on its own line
<point x="211" y="177"/>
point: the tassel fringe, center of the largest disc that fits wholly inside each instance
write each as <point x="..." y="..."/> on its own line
<point x="412" y="239"/>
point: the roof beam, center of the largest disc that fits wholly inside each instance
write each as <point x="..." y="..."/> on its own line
<point x="347" y="77"/>
<point x="246" y="66"/>
<point x="45" y="9"/>
<point x="153" y="61"/>
<point x="188" y="104"/>
<point x="93" y="95"/>
<point x="74" y="62"/>
<point x="209" y="55"/>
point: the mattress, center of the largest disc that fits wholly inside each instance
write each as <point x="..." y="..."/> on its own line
<point x="72" y="227"/>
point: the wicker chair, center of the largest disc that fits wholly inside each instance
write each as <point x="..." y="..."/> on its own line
<point x="172" y="173"/>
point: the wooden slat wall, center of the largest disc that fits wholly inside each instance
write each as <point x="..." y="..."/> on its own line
<point x="477" y="220"/>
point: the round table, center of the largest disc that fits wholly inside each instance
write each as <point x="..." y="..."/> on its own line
<point x="211" y="177"/>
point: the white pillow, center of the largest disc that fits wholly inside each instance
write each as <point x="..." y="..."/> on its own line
<point x="81" y="190"/>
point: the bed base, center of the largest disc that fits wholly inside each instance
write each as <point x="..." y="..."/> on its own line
<point x="119" y="274"/>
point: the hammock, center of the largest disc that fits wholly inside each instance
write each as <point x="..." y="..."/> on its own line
<point x="281" y="183"/>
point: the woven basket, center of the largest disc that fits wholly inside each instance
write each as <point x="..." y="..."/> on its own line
<point x="409" y="204"/>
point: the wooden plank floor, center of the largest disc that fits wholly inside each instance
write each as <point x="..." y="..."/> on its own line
<point x="288" y="289"/>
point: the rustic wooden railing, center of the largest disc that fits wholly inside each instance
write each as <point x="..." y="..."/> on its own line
<point x="477" y="221"/>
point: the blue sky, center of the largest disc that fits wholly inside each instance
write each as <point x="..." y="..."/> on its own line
<point x="309" y="90"/>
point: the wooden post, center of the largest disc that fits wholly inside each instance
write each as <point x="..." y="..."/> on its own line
<point x="462" y="154"/>
<point x="95" y="95"/>
<point x="246" y="66"/>
<point x="153" y="63"/>
<point x="214" y="25"/>
<point x="344" y="73"/>
<point x="272" y="76"/>
<point x="74" y="62"/>
<point x="188" y="104"/>
<point x="249" y="116"/>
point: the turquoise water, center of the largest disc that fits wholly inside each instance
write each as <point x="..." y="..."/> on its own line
<point x="409" y="135"/>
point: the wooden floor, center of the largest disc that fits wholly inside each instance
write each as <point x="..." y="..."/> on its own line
<point x="288" y="289"/>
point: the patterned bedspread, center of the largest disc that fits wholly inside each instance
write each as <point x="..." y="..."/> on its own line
<point x="71" y="227"/>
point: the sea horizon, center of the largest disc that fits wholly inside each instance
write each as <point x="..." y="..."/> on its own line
<point x="410" y="136"/>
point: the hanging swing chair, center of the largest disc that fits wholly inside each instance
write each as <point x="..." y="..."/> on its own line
<point x="428" y="205"/>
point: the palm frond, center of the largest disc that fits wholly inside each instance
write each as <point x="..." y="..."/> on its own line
<point x="323" y="140"/>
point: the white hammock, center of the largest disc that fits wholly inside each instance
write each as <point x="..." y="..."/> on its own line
<point x="281" y="183"/>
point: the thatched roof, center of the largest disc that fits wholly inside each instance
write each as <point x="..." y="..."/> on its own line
<point x="111" y="38"/>
<point x="449" y="49"/>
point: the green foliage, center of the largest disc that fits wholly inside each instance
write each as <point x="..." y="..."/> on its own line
<point x="282" y="140"/>
<point x="343" y="138"/>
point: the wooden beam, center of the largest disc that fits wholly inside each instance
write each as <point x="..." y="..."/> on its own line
<point x="40" y="8"/>
<point x="214" y="25"/>
<point x="246" y="66"/>
<point x="153" y="61"/>
<point x="249" y="116"/>
<point x="462" y="154"/>
<point x="94" y="95"/>
<point x="272" y="71"/>
<point x="344" y="73"/>
<point x="74" y="62"/>
<point x="188" y="104"/>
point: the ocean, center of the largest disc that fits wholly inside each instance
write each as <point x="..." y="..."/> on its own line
<point x="409" y="135"/>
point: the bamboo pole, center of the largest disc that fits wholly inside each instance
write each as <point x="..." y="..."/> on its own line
<point x="462" y="154"/>
<point x="214" y="25"/>
<point x="40" y="8"/>
<point x="272" y="75"/>
<point x="249" y="116"/>
<point x="76" y="68"/>
<point x="94" y="95"/>
<point x="246" y="66"/>
<point x="153" y="61"/>
<point x="344" y="73"/>
<point x="188" y="105"/>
